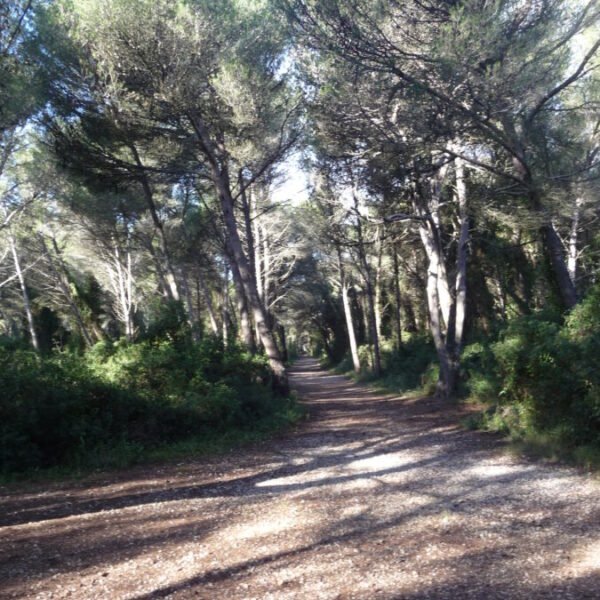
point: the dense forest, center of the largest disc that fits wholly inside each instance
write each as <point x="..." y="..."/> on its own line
<point x="157" y="276"/>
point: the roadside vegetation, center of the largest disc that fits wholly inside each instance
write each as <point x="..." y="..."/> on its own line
<point x="440" y="230"/>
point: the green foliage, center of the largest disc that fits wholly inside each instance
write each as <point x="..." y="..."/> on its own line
<point x="67" y="409"/>
<point x="411" y="367"/>
<point x="542" y="379"/>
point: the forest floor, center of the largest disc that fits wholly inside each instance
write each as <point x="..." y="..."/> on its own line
<point x="374" y="496"/>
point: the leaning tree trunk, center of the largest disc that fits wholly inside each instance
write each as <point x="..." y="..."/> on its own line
<point x="573" y="253"/>
<point x="249" y="285"/>
<point x="348" y="314"/>
<point x="246" y="333"/>
<point x="202" y="287"/>
<point x="446" y="382"/>
<point x="397" y="298"/>
<point x="220" y="178"/>
<point x="558" y="265"/>
<point x="372" y="318"/>
<point x="26" y="302"/>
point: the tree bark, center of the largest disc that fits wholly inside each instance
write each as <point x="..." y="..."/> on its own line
<point x="554" y="251"/>
<point x="220" y="178"/>
<point x="378" y="285"/>
<point x="225" y="309"/>
<point x="446" y="381"/>
<point x="397" y="298"/>
<point x="193" y="316"/>
<point x="573" y="254"/>
<point x="366" y="268"/>
<point x="348" y="314"/>
<point x="209" y="304"/>
<point x="26" y="302"/>
<point x="461" y="257"/>
<point x="246" y="333"/>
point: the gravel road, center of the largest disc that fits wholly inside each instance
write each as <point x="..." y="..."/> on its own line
<point x="372" y="497"/>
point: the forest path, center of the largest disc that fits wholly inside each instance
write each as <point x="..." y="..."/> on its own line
<point x="373" y="497"/>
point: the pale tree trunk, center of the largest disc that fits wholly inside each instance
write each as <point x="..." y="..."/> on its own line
<point x="26" y="302"/>
<point x="209" y="304"/>
<point x="193" y="316"/>
<point x="397" y="297"/>
<point x="245" y="330"/>
<point x="572" y="253"/>
<point x="378" y="285"/>
<point x="348" y="314"/>
<point x="445" y="383"/>
<point x="444" y="294"/>
<point x="461" y="256"/>
<point x="248" y="330"/>
<point x="122" y="282"/>
<point x="368" y="277"/>
<point x="266" y="255"/>
<point x="221" y="182"/>
<point x="442" y="305"/>
<point x="258" y="263"/>
<point x="225" y="309"/>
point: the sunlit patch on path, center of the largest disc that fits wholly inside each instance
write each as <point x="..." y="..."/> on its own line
<point x="372" y="497"/>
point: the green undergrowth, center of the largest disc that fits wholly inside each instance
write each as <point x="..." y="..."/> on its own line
<point x="124" y="454"/>
<point x="119" y="404"/>
<point x="410" y="370"/>
<point x="540" y="384"/>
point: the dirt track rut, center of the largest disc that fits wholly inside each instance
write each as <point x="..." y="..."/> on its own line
<point x="372" y="497"/>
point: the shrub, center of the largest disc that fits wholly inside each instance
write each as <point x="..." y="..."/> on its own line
<point x="543" y="377"/>
<point x="60" y="408"/>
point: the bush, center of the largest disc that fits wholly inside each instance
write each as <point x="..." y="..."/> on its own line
<point x="58" y="409"/>
<point x="411" y="367"/>
<point x="543" y="378"/>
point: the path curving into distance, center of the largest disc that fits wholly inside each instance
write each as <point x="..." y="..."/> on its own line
<point x="373" y="497"/>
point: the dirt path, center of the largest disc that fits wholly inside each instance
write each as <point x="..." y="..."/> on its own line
<point x="374" y="497"/>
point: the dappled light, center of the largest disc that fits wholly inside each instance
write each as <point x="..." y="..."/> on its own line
<point x="299" y="299"/>
<point x="373" y="497"/>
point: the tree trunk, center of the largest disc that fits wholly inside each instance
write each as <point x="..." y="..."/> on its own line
<point x="193" y="316"/>
<point x="378" y="285"/>
<point x="283" y="342"/>
<point x="444" y="295"/>
<point x="123" y="287"/>
<point x="573" y="239"/>
<point x="225" y="309"/>
<point x="397" y="298"/>
<point x="366" y="268"/>
<point x="209" y="305"/>
<point x="348" y="314"/>
<point x="554" y="250"/>
<point x="221" y="182"/>
<point x="26" y="303"/>
<point x="446" y="382"/>
<point x="461" y="257"/>
<point x="246" y="333"/>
